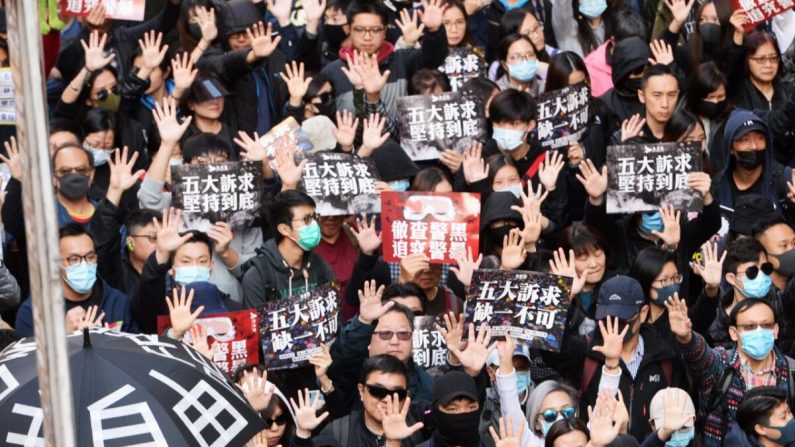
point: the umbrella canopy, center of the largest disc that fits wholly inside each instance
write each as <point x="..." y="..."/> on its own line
<point x="128" y="389"/>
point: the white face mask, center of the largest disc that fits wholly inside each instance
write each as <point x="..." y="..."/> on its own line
<point x="101" y="156"/>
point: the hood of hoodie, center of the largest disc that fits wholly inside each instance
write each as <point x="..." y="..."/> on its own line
<point x="346" y="53"/>
<point x="733" y="124"/>
<point x="288" y="281"/>
<point x="237" y="16"/>
<point x="628" y="55"/>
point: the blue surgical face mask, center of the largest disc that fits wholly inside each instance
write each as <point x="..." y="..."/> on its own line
<point x="593" y="8"/>
<point x="523" y="381"/>
<point x="663" y="293"/>
<point x="399" y="185"/>
<point x="508" y="139"/>
<point x="787" y="433"/>
<point x="516" y="190"/>
<point x="101" y="156"/>
<point x="524" y="71"/>
<point x="651" y="222"/>
<point x="757" y="287"/>
<point x="681" y="437"/>
<point x="757" y="343"/>
<point x="190" y="274"/>
<point x="309" y="236"/>
<point x="81" y="277"/>
<point x="175" y="161"/>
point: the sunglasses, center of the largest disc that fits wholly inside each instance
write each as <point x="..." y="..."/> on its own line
<point x="552" y="415"/>
<point x="325" y="97"/>
<point x="753" y="271"/>
<point x="380" y="392"/>
<point x="279" y="420"/>
<point x="387" y="335"/>
<point x="104" y="93"/>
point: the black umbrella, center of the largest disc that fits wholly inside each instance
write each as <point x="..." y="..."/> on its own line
<point x="128" y="390"/>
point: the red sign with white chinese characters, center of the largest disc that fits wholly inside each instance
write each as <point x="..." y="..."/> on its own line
<point x="114" y="9"/>
<point x="762" y="10"/>
<point x="441" y="225"/>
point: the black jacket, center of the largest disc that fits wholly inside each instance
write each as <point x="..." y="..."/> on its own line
<point x="113" y="263"/>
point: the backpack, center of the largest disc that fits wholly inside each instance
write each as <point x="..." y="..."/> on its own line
<point x="591" y="365"/>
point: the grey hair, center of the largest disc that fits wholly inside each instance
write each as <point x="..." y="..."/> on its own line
<point x="537" y="397"/>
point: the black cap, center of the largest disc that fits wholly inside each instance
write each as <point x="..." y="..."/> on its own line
<point x="748" y="210"/>
<point x="498" y="207"/>
<point x="453" y="385"/>
<point x="392" y="162"/>
<point x="749" y="125"/>
<point x="619" y="296"/>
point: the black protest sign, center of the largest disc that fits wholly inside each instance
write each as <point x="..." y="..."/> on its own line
<point x="209" y="193"/>
<point x="292" y="329"/>
<point x="341" y="184"/>
<point x="563" y="116"/>
<point x="529" y="306"/>
<point x="461" y="65"/>
<point x="429" y="348"/>
<point x="433" y="123"/>
<point x="643" y="177"/>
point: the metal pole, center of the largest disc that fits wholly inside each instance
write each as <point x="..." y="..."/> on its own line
<point x="41" y="223"/>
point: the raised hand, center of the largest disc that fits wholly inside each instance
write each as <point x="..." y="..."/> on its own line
<point x="121" y="176"/>
<point x="662" y="52"/>
<point x="321" y="361"/>
<point x="678" y="319"/>
<point x="506" y="437"/>
<point x="373" y="135"/>
<point x="394" y="419"/>
<point x="531" y="215"/>
<point x="505" y="349"/>
<point x="345" y="132"/>
<point x="151" y="52"/>
<point x="297" y="84"/>
<point x="183" y="72"/>
<point x="367" y="237"/>
<point x="412" y="265"/>
<point x="257" y="390"/>
<point x="632" y="127"/>
<point x="739" y="19"/>
<point x="432" y="14"/>
<point x="280" y="9"/>
<point x="453" y="329"/>
<point x="563" y="266"/>
<point x="410" y="26"/>
<point x="168" y="237"/>
<point x="262" y="44"/>
<point x="12" y="158"/>
<point x="289" y="172"/>
<point x="550" y="169"/>
<point x="612" y="339"/>
<point x="478" y="348"/>
<point x="370" y="306"/>
<point x="514" y="252"/>
<point x="306" y="417"/>
<point x="672" y="232"/>
<point x="674" y="405"/>
<point x="198" y="341"/>
<point x="710" y="270"/>
<point x="314" y="10"/>
<point x="205" y="17"/>
<point x="95" y="52"/>
<point x="78" y="318"/>
<point x="182" y="318"/>
<point x="352" y="73"/>
<point x="536" y="197"/>
<point x="701" y="182"/>
<point x="594" y="182"/>
<point x="168" y="125"/>
<point x="252" y="149"/>
<point x="96" y="16"/>
<point x="475" y="167"/>
<point x="466" y="267"/>
<point x="680" y="10"/>
<point x="603" y="428"/>
<point x="222" y="235"/>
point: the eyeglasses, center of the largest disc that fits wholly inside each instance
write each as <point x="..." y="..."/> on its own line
<point x="752" y="271"/>
<point x="387" y="335"/>
<point x="152" y="237"/>
<point x="90" y="258"/>
<point x="537" y="30"/>
<point x="454" y="23"/>
<point x="279" y="420"/>
<point x="380" y="392"/>
<point x="374" y="31"/>
<point x="324" y="98"/>
<point x="210" y="159"/>
<point x="82" y="170"/>
<point x="552" y="415"/>
<point x="105" y="92"/>
<point x="665" y="282"/>
<point x="308" y="219"/>
<point x="753" y="327"/>
<point x="762" y="60"/>
<point x="521" y="57"/>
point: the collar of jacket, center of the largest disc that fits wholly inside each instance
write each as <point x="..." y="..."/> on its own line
<point x="346" y="53"/>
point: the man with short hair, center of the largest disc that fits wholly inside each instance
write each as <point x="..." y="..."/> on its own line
<point x="74" y="172"/>
<point x="659" y="93"/>
<point x="778" y="239"/>
<point x="764" y="418"/>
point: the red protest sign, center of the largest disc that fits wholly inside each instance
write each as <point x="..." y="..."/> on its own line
<point x="441" y="225"/>
<point x="114" y="9"/>
<point x="235" y="334"/>
<point x="761" y="10"/>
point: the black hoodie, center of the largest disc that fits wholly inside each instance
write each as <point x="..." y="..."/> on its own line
<point x="629" y="55"/>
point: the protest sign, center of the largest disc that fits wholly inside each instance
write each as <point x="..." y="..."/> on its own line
<point x="643" y="177"/>
<point x="235" y="334"/>
<point x="530" y="306"/>
<point x="292" y="329"/>
<point x="286" y="134"/>
<point x="441" y="225"/>
<point x="760" y="11"/>
<point x="8" y="109"/>
<point x="461" y="65"/>
<point x="209" y="193"/>
<point x="341" y="184"/>
<point x="563" y="116"/>
<point x="430" y="124"/>
<point x="429" y="349"/>
<point x="114" y="9"/>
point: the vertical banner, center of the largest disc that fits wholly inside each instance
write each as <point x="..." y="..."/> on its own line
<point x="341" y="184"/>
<point x="430" y="124"/>
<point x="461" y="65"/>
<point x="441" y="225"/>
<point x="563" y="116"/>
<point x="529" y="306"/>
<point x="292" y="329"/>
<point x="234" y="337"/>
<point x="643" y="177"/>
<point x="114" y="9"/>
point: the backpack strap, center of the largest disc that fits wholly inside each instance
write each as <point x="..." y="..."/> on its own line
<point x="791" y="379"/>
<point x="723" y="383"/>
<point x="588" y="372"/>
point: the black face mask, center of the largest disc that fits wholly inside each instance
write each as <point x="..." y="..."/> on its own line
<point x="499" y="233"/>
<point x="631" y="86"/>
<point x="786" y="263"/>
<point x="195" y="30"/>
<point x="73" y="185"/>
<point x="710" y="109"/>
<point x="460" y="429"/>
<point x="750" y="160"/>
<point x="710" y="34"/>
<point x="335" y="35"/>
